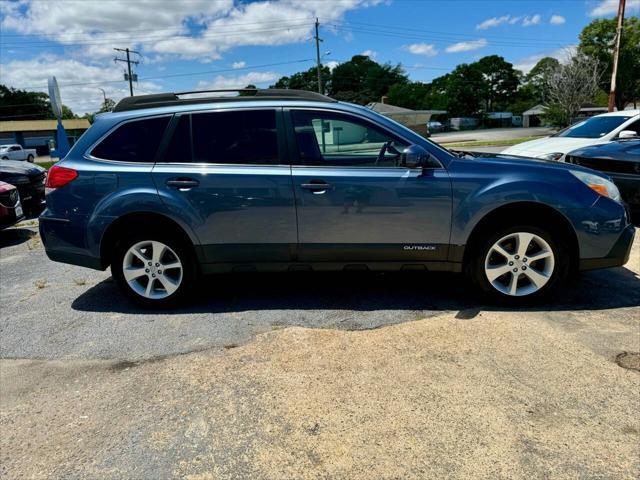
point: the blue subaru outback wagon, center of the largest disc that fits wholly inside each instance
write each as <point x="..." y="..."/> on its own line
<point x="168" y="187"/>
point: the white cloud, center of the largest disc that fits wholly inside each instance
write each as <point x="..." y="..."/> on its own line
<point x="167" y="27"/>
<point x="534" y="20"/>
<point x="241" y="64"/>
<point x="252" y="78"/>
<point x="426" y="49"/>
<point x="370" y="53"/>
<point x="523" y="20"/>
<point x="467" y="46"/>
<point x="562" y="54"/>
<point x="557" y="20"/>
<point x="610" y="7"/>
<point x="493" y="22"/>
<point x="332" y="64"/>
<point x="82" y="98"/>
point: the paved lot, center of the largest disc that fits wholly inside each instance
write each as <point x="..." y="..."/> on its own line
<point x="313" y="376"/>
<point x="490" y="134"/>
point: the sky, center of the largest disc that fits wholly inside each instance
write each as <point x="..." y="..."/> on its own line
<point x="188" y="45"/>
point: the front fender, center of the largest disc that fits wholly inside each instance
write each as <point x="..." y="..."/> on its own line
<point x="476" y="198"/>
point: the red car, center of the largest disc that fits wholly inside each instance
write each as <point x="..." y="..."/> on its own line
<point x="10" y="207"/>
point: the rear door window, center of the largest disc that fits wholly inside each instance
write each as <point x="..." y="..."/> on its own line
<point x="237" y="137"/>
<point x="135" y="141"/>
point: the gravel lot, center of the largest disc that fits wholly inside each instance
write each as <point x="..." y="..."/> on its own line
<point x="313" y="376"/>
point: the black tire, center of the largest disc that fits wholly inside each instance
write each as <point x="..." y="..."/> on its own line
<point x="30" y="158"/>
<point x="475" y="265"/>
<point x="182" y="251"/>
<point x="5" y="158"/>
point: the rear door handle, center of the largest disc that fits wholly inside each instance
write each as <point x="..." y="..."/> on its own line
<point x="182" y="183"/>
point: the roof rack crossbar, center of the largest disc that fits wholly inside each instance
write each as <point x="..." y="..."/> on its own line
<point x="219" y="90"/>
<point x="173" y="99"/>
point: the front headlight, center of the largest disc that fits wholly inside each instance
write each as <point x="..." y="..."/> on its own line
<point x="601" y="185"/>
<point x="555" y="156"/>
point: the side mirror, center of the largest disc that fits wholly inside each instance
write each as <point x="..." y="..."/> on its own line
<point x="627" y="134"/>
<point x="415" y="156"/>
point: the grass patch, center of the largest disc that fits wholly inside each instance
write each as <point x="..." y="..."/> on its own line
<point x="493" y="143"/>
<point x="46" y="165"/>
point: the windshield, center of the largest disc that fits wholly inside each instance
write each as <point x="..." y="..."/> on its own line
<point x="4" y="147"/>
<point x="594" y="127"/>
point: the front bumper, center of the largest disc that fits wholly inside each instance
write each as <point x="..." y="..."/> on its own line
<point x="32" y="195"/>
<point x="617" y="256"/>
<point x="629" y="186"/>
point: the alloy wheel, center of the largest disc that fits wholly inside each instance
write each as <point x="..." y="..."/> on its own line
<point x="519" y="264"/>
<point x="152" y="269"/>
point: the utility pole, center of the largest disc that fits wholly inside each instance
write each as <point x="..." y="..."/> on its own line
<point x="616" y="53"/>
<point x="128" y="61"/>
<point x="319" y="65"/>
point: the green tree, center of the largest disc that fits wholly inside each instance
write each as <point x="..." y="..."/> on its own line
<point x="409" y="95"/>
<point x="307" y="80"/>
<point x="463" y="90"/>
<point x="538" y="77"/>
<point x="524" y="98"/>
<point x="362" y="80"/>
<point x="22" y="105"/>
<point x="437" y="97"/>
<point x="501" y="82"/>
<point x="107" y="105"/>
<point x="596" y="41"/>
<point x="67" y="113"/>
<point x="247" y="94"/>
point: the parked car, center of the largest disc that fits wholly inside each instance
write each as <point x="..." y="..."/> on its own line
<point x="591" y="131"/>
<point x="166" y="188"/>
<point x="16" y="152"/>
<point x="29" y="180"/>
<point x="10" y="207"/>
<point x="435" y="127"/>
<point x="621" y="161"/>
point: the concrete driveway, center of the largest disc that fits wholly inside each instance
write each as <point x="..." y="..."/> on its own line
<point x="313" y="376"/>
<point x="490" y="134"/>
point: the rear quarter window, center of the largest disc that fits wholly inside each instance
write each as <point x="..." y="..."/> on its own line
<point x="134" y="141"/>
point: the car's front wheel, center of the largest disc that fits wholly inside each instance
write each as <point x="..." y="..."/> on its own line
<point x="519" y="264"/>
<point x="153" y="270"/>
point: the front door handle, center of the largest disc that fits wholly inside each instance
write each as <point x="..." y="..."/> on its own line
<point x="316" y="187"/>
<point x="183" y="183"/>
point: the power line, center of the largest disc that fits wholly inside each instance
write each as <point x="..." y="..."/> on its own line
<point x="434" y="39"/>
<point x="440" y="33"/>
<point x="174" y="75"/>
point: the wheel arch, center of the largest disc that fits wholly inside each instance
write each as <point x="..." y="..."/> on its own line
<point x="537" y="214"/>
<point x="145" y="221"/>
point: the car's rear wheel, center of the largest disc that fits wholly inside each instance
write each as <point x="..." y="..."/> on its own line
<point x="30" y="158"/>
<point x="153" y="270"/>
<point x="520" y="264"/>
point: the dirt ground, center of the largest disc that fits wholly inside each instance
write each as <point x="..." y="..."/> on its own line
<point x="468" y="393"/>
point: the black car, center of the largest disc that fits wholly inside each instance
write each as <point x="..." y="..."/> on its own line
<point x="621" y="161"/>
<point x="29" y="179"/>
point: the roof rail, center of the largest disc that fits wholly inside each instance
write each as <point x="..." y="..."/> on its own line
<point x="244" y="94"/>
